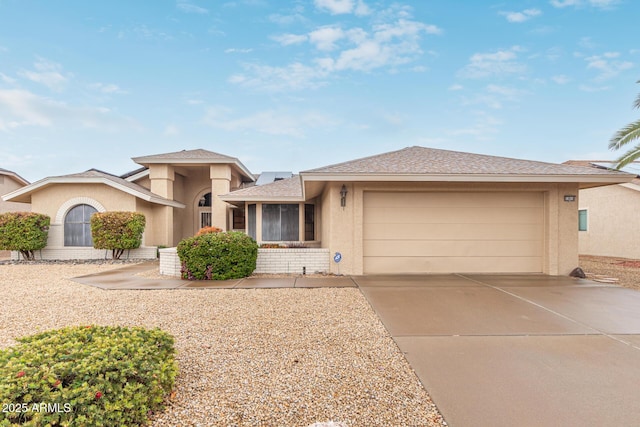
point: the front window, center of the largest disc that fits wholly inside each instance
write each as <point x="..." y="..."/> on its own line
<point x="77" y="226"/>
<point x="280" y="222"/>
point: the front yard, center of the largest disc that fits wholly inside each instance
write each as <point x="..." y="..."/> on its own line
<point x="285" y="357"/>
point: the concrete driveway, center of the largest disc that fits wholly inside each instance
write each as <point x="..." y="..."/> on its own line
<point x="517" y="350"/>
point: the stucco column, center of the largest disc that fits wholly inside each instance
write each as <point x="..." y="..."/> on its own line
<point x="220" y="184"/>
<point x="162" y="178"/>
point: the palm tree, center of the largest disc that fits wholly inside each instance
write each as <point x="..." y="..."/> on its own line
<point x="630" y="132"/>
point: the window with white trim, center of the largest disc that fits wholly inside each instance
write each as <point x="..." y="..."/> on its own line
<point x="77" y="226"/>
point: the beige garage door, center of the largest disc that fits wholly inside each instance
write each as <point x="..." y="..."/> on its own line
<point x="462" y="232"/>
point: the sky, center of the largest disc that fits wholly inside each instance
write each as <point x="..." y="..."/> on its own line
<point x="296" y="84"/>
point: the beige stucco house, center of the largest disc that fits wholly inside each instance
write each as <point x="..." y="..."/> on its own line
<point x="415" y="210"/>
<point x="609" y="216"/>
<point x="11" y="181"/>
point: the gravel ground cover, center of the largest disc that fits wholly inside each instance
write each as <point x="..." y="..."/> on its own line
<point x="247" y="357"/>
<point x="626" y="270"/>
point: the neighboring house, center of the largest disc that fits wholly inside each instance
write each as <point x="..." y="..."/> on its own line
<point x="609" y="216"/>
<point x="11" y="181"/>
<point x="415" y="210"/>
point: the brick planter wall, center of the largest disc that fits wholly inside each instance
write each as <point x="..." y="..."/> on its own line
<point x="270" y="261"/>
<point x="273" y="261"/>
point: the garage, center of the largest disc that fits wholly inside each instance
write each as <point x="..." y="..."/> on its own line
<point x="453" y="232"/>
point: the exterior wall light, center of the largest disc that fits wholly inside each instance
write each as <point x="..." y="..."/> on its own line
<point x="343" y="196"/>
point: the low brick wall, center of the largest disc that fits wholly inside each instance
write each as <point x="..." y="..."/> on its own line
<point x="270" y="261"/>
<point x="68" y="253"/>
<point x="169" y="262"/>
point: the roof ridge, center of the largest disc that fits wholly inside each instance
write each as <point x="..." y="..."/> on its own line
<point x="359" y="159"/>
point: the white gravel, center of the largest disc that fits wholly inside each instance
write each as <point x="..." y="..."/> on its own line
<point x="247" y="357"/>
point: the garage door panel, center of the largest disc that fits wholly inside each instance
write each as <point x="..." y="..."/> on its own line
<point x="416" y="265"/>
<point x="443" y="215"/>
<point x="459" y="248"/>
<point x="453" y="231"/>
<point x="452" y="200"/>
<point x="422" y="232"/>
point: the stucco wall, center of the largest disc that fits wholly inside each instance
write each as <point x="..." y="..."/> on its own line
<point x="7" y="185"/>
<point x="613" y="213"/>
<point x="342" y="229"/>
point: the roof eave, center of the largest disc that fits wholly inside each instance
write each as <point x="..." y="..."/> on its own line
<point x="271" y="199"/>
<point x="90" y="180"/>
<point x="591" y="178"/>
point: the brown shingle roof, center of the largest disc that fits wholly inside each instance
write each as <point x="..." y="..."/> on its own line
<point x="431" y="161"/>
<point x="185" y="155"/>
<point x="285" y="189"/>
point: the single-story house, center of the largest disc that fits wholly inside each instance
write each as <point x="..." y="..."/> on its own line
<point x="608" y="217"/>
<point x="11" y="181"/>
<point x="415" y="210"/>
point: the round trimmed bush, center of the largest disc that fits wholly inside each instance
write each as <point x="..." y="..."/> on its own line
<point x="87" y="376"/>
<point x="218" y="256"/>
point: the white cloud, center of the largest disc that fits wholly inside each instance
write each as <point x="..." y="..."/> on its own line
<point x="289" y="39"/>
<point x="109" y="88"/>
<point x="7" y="79"/>
<point x="294" y="76"/>
<point x="270" y="122"/>
<point x="499" y="63"/>
<point x="19" y="108"/>
<point x="234" y="50"/>
<point x="600" y="4"/>
<point x="561" y="79"/>
<point x="171" y="130"/>
<point x="456" y="87"/>
<point x="484" y="128"/>
<point x="517" y="17"/>
<point x="607" y="65"/>
<point x="188" y="7"/>
<point x="47" y="73"/>
<point x="387" y="44"/>
<point x="325" y="38"/>
<point x="341" y="7"/>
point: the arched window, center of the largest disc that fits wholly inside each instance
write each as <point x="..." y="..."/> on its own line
<point x="77" y="226"/>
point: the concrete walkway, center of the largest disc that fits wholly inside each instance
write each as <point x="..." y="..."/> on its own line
<point x="517" y="350"/>
<point x="127" y="278"/>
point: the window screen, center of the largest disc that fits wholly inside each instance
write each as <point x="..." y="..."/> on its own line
<point x="280" y="222"/>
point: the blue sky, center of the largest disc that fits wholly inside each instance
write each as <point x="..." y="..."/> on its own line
<point x="298" y="84"/>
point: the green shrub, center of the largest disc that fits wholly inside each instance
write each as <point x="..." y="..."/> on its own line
<point x="117" y="231"/>
<point x="86" y="376"/>
<point x="218" y="256"/>
<point x="23" y="231"/>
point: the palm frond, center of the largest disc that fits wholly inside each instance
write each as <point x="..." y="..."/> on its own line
<point x="628" y="157"/>
<point x="629" y="133"/>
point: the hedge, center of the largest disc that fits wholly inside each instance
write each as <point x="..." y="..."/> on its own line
<point x="87" y="376"/>
<point x="218" y="256"/>
<point x="26" y="232"/>
<point x="117" y="231"/>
